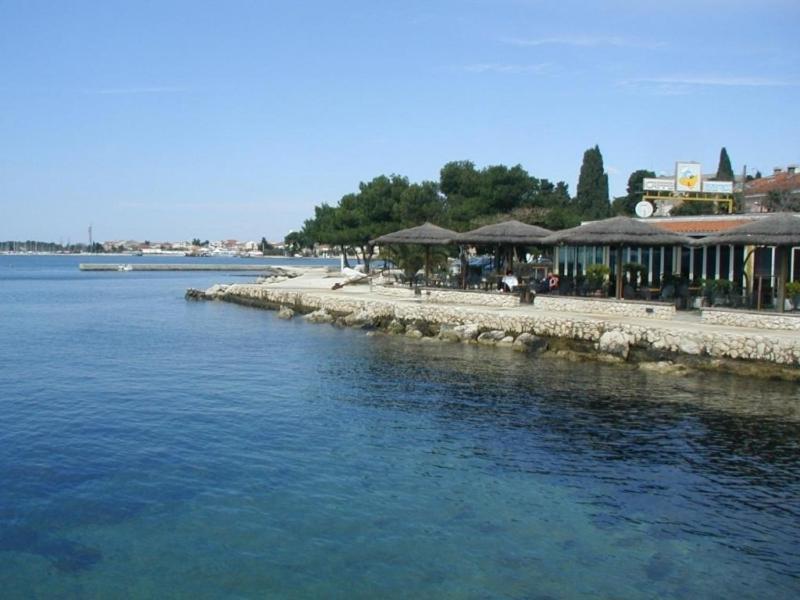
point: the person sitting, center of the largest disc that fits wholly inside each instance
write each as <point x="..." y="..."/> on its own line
<point x="552" y="282"/>
<point x="509" y="282"/>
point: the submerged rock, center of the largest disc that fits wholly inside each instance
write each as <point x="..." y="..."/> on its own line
<point x="414" y="333"/>
<point x="491" y="338"/>
<point x="467" y="332"/>
<point x="319" y="316"/>
<point x="395" y="327"/>
<point x="193" y="294"/>
<point x="527" y="342"/>
<point x="662" y="366"/>
<point x="448" y="333"/>
<point x="285" y="313"/>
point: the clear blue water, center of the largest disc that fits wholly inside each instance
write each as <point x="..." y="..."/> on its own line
<point x="153" y="447"/>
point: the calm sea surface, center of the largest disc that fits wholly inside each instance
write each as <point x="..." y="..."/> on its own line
<point x="157" y="448"/>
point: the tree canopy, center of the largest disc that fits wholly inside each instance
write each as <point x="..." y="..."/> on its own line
<point x="463" y="198"/>
<point x="724" y="170"/>
<point x="626" y="205"/>
<point x="592" y="194"/>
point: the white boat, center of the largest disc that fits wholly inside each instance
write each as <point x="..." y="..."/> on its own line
<point x="124" y="267"/>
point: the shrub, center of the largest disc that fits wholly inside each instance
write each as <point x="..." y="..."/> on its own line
<point x="596" y="275"/>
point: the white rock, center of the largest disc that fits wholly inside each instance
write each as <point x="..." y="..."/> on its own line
<point x="217" y="290"/>
<point x="359" y="318"/>
<point x="285" y="313"/>
<point x="467" y="332"/>
<point x="527" y="342"/>
<point x="490" y="338"/>
<point x="615" y="343"/>
<point x="688" y="346"/>
<point x="319" y="316"/>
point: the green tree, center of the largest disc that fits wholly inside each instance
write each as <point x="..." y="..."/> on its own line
<point x="470" y="194"/>
<point x="688" y="209"/>
<point x="591" y="201"/>
<point x="460" y="183"/>
<point x="626" y="205"/>
<point x="418" y="203"/>
<point x="724" y="170"/>
<point x="265" y="247"/>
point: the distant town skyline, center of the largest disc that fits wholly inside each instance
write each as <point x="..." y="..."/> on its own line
<point x="182" y="119"/>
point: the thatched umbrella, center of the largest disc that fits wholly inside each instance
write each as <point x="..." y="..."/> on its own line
<point x="780" y="230"/>
<point x="426" y="235"/>
<point x="507" y="233"/>
<point x="616" y="232"/>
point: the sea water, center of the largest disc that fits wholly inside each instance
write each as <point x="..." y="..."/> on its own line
<point x="152" y="447"/>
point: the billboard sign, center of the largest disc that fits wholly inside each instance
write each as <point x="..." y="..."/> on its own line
<point x="687" y="177"/>
<point x="718" y="187"/>
<point x="658" y="185"/>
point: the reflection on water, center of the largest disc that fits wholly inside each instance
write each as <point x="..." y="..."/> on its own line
<point x="210" y="450"/>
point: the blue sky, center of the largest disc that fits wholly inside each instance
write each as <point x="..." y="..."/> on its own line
<point x="171" y="120"/>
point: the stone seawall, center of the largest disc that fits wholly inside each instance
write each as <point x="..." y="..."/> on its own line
<point x="449" y="296"/>
<point x="627" y="308"/>
<point x="756" y="320"/>
<point x="659" y="340"/>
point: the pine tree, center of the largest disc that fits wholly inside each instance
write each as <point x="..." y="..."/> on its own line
<point x="724" y="170"/>
<point x="592" y="198"/>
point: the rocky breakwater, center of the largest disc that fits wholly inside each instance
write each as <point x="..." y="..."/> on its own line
<point x="658" y="344"/>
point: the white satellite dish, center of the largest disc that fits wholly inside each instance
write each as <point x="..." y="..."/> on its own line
<point x="644" y="209"/>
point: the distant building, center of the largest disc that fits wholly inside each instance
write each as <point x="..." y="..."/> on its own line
<point x="780" y="191"/>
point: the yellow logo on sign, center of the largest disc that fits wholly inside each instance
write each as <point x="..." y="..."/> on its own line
<point x="688" y="179"/>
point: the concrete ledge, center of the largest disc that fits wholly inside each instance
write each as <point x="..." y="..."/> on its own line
<point x="605" y="306"/>
<point x="450" y="296"/>
<point x="747" y="318"/>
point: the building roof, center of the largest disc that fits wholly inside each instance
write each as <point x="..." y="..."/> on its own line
<point x="698" y="227"/>
<point x="507" y="232"/>
<point x="615" y="231"/>
<point x="426" y="234"/>
<point x="778" y="229"/>
<point x="782" y="182"/>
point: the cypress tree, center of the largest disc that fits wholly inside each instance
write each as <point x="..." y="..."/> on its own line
<point x="724" y="170"/>
<point x="592" y="197"/>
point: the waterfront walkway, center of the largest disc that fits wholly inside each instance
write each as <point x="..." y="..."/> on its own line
<point x="318" y="283"/>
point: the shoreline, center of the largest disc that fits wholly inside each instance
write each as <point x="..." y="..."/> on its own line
<point x="657" y="345"/>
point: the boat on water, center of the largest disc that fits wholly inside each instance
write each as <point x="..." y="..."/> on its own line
<point x="124" y="267"/>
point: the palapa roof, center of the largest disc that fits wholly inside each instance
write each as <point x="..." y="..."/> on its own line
<point x="616" y="231"/>
<point x="780" y="229"/>
<point x="507" y="232"/>
<point x="426" y="234"/>
<point x="694" y="226"/>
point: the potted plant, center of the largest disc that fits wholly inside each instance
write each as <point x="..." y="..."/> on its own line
<point x="793" y="292"/>
<point x="596" y="277"/>
<point x="720" y="291"/>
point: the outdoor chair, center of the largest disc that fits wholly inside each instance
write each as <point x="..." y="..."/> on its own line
<point x="628" y="293"/>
